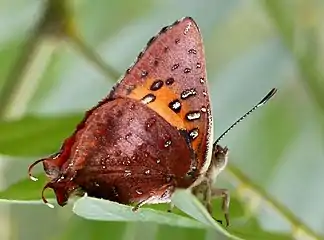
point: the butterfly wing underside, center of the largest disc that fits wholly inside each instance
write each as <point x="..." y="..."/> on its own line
<point x="169" y="76"/>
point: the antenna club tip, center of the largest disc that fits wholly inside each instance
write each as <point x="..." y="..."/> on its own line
<point x="272" y="92"/>
<point x="262" y="102"/>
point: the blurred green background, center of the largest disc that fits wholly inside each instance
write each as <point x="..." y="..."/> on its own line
<point x="50" y="74"/>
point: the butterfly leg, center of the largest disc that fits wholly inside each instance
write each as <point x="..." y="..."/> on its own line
<point x="206" y="189"/>
<point x="141" y="203"/>
<point x="218" y="164"/>
<point x="224" y="194"/>
<point x="170" y="208"/>
<point x="165" y="192"/>
<point x="209" y="193"/>
<point x="207" y="196"/>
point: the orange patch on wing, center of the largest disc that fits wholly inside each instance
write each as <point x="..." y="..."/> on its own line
<point x="160" y="105"/>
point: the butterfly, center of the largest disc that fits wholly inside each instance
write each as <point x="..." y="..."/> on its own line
<point x="152" y="134"/>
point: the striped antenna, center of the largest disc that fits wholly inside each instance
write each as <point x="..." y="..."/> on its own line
<point x="261" y="103"/>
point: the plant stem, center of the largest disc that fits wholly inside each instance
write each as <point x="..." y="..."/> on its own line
<point x="306" y="58"/>
<point x="244" y="184"/>
<point x="47" y="23"/>
<point x="94" y="57"/>
<point x="9" y="91"/>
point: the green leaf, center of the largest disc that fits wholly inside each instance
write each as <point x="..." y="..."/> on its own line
<point x="168" y="232"/>
<point x="33" y="135"/>
<point x="82" y="229"/>
<point x="189" y="204"/>
<point x="253" y="231"/>
<point x="185" y="201"/>
<point x="104" y="210"/>
<point x="97" y="209"/>
<point x="26" y="190"/>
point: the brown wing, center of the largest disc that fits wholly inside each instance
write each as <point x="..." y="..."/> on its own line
<point x="127" y="149"/>
<point x="170" y="77"/>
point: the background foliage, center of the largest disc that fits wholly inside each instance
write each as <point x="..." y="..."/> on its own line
<point x="58" y="58"/>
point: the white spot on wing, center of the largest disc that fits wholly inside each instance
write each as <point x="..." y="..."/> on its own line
<point x="187" y="28"/>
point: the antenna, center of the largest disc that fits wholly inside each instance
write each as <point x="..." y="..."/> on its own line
<point x="261" y="103"/>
